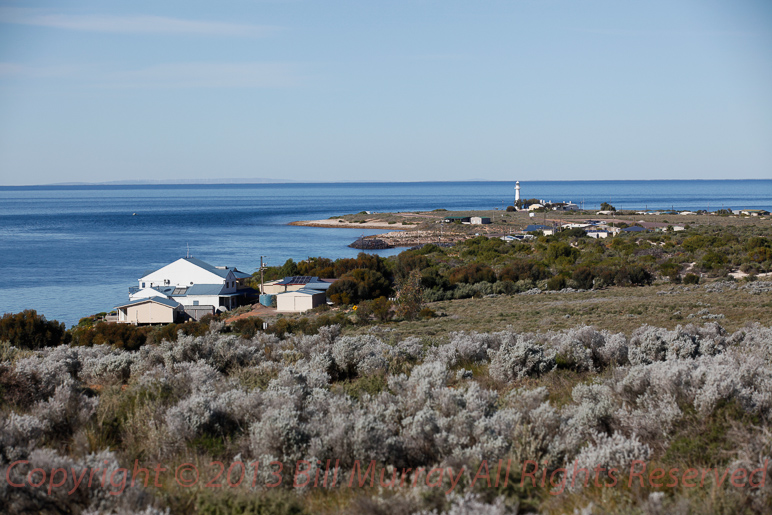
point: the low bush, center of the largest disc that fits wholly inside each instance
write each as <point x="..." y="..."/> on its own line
<point x="28" y="330"/>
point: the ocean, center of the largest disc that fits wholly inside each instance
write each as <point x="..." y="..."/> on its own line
<point x="71" y="251"/>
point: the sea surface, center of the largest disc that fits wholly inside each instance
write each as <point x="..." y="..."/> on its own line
<point x="71" y="251"/>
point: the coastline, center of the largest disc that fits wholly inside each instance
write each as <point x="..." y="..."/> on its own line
<point x="327" y="224"/>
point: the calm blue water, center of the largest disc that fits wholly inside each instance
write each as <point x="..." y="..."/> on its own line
<point x="70" y="251"/>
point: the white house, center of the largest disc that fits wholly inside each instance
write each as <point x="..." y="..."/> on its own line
<point x="299" y="301"/>
<point x="192" y="282"/>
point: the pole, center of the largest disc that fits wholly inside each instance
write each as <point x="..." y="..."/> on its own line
<point x="262" y="269"/>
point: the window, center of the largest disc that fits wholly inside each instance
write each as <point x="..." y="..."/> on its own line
<point x="143" y="285"/>
<point x="195" y="303"/>
<point x="166" y="282"/>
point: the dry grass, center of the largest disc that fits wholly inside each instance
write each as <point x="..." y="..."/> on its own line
<point x="615" y="309"/>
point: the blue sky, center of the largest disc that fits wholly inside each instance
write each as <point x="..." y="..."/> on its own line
<point x="385" y="90"/>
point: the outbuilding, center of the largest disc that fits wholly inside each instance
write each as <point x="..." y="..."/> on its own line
<point x="153" y="310"/>
<point x="479" y="220"/>
<point x="299" y="301"/>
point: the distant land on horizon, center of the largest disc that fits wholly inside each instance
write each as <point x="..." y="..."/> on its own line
<point x="264" y="180"/>
<point x="257" y="180"/>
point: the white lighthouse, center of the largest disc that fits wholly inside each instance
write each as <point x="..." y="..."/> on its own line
<point x="517" y="193"/>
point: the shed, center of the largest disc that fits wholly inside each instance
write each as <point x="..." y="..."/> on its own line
<point x="298" y="282"/>
<point x="479" y="220"/>
<point x="299" y="301"/>
<point x="153" y="310"/>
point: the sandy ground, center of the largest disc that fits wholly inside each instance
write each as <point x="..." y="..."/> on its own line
<point x="258" y="310"/>
<point x="348" y="225"/>
<point x="740" y="274"/>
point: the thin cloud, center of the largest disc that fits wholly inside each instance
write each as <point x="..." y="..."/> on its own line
<point x="207" y="75"/>
<point x="164" y="76"/>
<point x="131" y="24"/>
<point x="15" y="70"/>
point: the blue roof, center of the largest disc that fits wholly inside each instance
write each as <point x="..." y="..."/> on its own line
<point x="634" y="228"/>
<point x="304" y="291"/>
<point x="299" y="279"/>
<point x="159" y="300"/>
<point x="205" y="289"/>
<point x="532" y="228"/>
<point x="308" y="282"/>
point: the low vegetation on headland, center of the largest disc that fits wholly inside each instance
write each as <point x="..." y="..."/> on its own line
<point x="496" y="373"/>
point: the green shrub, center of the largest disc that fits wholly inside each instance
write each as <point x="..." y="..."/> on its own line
<point x="228" y="502"/>
<point x="471" y="274"/>
<point x="583" y="277"/>
<point x="427" y="313"/>
<point x="557" y="282"/>
<point x="28" y="330"/>
<point x="122" y="336"/>
<point x="247" y="327"/>
<point x="691" y="279"/>
<point x="357" y="285"/>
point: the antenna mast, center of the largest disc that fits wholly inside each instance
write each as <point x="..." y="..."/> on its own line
<point x="262" y="269"/>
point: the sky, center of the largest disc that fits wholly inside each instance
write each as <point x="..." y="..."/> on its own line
<point x="385" y="90"/>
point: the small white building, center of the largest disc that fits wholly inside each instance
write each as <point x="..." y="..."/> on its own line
<point x="598" y="234"/>
<point x="564" y="206"/>
<point x="151" y="310"/>
<point x="479" y="220"/>
<point x="299" y="301"/>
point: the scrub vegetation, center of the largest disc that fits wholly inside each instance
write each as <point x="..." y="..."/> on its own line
<point x="451" y="369"/>
<point x="692" y="397"/>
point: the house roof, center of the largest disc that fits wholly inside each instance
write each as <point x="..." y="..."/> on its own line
<point x="634" y="228"/>
<point x="652" y="225"/>
<point x="222" y="272"/>
<point x="158" y="300"/>
<point x="532" y="228"/>
<point x="219" y="271"/>
<point x="205" y="289"/>
<point x="302" y="291"/>
<point x="302" y="279"/>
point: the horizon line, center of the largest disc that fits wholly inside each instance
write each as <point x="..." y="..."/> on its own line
<point x="228" y="182"/>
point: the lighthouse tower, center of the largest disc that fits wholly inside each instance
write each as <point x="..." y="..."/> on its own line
<point x="517" y="193"/>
